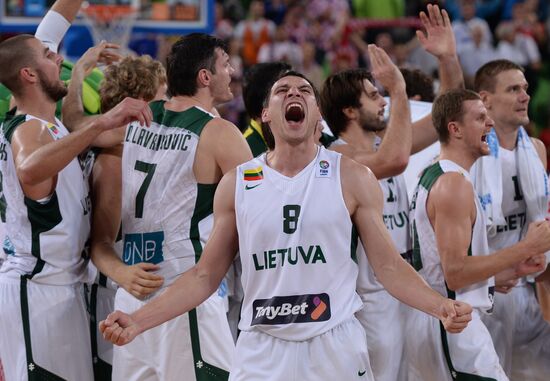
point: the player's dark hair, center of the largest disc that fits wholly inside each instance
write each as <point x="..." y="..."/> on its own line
<point x="189" y="55"/>
<point x="342" y="90"/>
<point x="257" y="82"/>
<point x="14" y="55"/>
<point x="418" y="83"/>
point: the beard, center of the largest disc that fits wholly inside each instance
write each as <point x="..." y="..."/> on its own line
<point x="371" y="123"/>
<point x="55" y="90"/>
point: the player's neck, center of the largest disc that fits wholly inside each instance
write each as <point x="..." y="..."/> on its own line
<point x="358" y="138"/>
<point x="457" y="155"/>
<point x="37" y="105"/>
<point x="507" y="136"/>
<point x="182" y="103"/>
<point x="289" y="160"/>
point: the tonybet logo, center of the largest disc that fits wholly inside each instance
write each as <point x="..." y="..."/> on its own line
<point x="291" y="309"/>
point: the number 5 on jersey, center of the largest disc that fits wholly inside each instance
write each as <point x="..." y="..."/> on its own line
<point x="149" y="169"/>
<point x="291" y="213"/>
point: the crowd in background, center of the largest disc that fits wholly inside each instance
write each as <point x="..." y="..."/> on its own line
<point x="320" y="37"/>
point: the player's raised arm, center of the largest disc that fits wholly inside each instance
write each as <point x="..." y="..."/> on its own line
<point x="56" y="22"/>
<point x="73" y="108"/>
<point x="195" y="285"/>
<point x="439" y="40"/>
<point x="364" y="199"/>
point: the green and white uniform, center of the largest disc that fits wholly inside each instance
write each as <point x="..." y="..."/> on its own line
<point x="255" y="138"/>
<point x="41" y="281"/>
<point x="382" y="316"/>
<point x="166" y="219"/>
<point x="432" y="353"/>
<point x="297" y="244"/>
<point x="519" y="331"/>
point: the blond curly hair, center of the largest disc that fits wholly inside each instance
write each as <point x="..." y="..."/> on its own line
<point x="136" y="77"/>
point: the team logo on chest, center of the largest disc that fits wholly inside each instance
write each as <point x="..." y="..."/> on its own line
<point x="251" y="176"/>
<point x="324" y="169"/>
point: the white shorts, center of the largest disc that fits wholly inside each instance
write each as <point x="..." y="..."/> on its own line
<point x="44" y="332"/>
<point x="339" y="354"/>
<point x="531" y="348"/>
<point x="501" y="325"/>
<point x="101" y="302"/>
<point x="435" y="355"/>
<point x="382" y="318"/>
<point x="194" y="346"/>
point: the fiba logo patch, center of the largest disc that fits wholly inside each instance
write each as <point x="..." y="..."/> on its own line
<point x="324" y="169"/>
<point x="291" y="309"/>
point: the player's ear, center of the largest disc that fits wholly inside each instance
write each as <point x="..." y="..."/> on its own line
<point x="203" y="77"/>
<point x="455" y="129"/>
<point x="350" y="113"/>
<point x="265" y="116"/>
<point x="485" y="98"/>
<point x="28" y="74"/>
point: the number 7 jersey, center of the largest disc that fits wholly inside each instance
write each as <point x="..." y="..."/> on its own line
<point x="166" y="214"/>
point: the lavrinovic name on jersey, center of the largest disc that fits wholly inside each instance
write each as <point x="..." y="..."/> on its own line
<point x="166" y="214"/>
<point x="144" y="137"/>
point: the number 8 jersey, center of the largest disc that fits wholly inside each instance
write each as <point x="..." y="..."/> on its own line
<point x="297" y="246"/>
<point x="166" y="214"/>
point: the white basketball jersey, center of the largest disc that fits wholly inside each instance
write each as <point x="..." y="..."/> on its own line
<point x="166" y="214"/>
<point x="425" y="256"/>
<point x="46" y="239"/>
<point x="514" y="208"/>
<point x="396" y="218"/>
<point x="296" y="243"/>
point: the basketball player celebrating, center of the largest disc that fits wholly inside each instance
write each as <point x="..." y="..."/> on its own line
<point x="169" y="174"/>
<point x="450" y="247"/>
<point x="353" y="109"/>
<point x="48" y="211"/>
<point x="297" y="255"/>
<point x="517" y="169"/>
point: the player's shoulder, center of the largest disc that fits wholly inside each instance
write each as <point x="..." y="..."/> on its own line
<point x="452" y="189"/>
<point x="220" y="128"/>
<point x="539" y="145"/>
<point x="12" y="123"/>
<point x="352" y="167"/>
<point x="355" y="175"/>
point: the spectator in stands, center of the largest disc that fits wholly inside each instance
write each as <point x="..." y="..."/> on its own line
<point x="295" y="23"/>
<point x="476" y="54"/>
<point x="310" y="68"/>
<point x="224" y="26"/>
<point x="462" y="27"/>
<point x="282" y="49"/>
<point x="526" y="21"/>
<point x="253" y="32"/>
<point x="517" y="47"/>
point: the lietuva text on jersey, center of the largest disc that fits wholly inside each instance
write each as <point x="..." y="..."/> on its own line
<point x="272" y="259"/>
<point x="141" y="136"/>
<point x="513" y="222"/>
<point x="396" y="221"/>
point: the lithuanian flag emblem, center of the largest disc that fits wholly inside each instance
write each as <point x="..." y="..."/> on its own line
<point x="253" y="174"/>
<point x="53" y="128"/>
